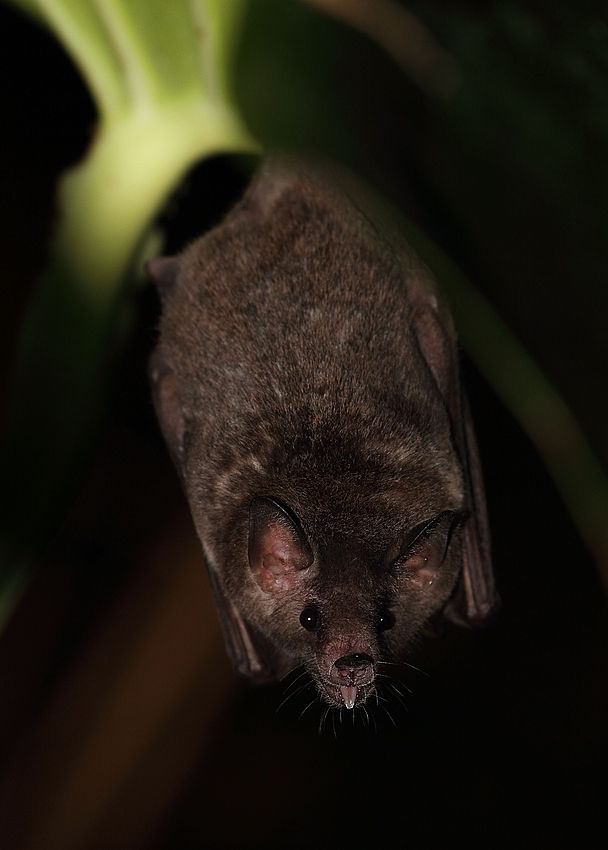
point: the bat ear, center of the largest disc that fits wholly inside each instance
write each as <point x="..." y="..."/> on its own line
<point x="163" y="273"/>
<point x="475" y="599"/>
<point x="426" y="553"/>
<point x="278" y="555"/>
<point x="167" y="405"/>
<point x="278" y="549"/>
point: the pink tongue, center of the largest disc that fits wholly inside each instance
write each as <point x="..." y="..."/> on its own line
<point x="349" y="695"/>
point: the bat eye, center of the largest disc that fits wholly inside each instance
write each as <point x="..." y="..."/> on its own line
<point x="309" y="618"/>
<point x="386" y="622"/>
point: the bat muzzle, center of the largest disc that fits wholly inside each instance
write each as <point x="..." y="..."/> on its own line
<point x="351" y="679"/>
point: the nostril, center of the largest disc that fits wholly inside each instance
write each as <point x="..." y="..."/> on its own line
<point x="354" y="667"/>
<point x="361" y="660"/>
<point x="354" y="661"/>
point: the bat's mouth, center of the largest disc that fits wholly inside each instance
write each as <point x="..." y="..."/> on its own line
<point x="351" y="679"/>
<point x="347" y="695"/>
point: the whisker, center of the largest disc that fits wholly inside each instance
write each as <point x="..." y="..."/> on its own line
<point x="298" y="677"/>
<point x="312" y="702"/>
<point x="391" y="684"/>
<point x="392" y="677"/>
<point x="324" y="714"/>
<point x="289" y="672"/>
<point x="384" y="676"/>
<point x="402" y="664"/>
<point x="293" y="694"/>
<point x="298" y="690"/>
<point x="375" y="724"/>
<point x="282" y="703"/>
<point x="402" y="701"/>
<point x="390" y="716"/>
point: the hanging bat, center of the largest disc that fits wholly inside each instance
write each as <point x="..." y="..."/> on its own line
<point x="306" y="381"/>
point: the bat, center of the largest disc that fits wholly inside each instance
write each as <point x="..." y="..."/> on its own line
<point x="306" y="381"/>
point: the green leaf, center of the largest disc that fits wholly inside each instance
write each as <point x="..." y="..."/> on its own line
<point x="160" y="75"/>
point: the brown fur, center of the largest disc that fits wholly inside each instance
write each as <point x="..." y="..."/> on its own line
<point x="304" y="358"/>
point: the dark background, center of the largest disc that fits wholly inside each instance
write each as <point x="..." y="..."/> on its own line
<point x="503" y="739"/>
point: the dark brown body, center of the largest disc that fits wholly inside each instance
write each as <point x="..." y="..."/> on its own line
<point x="306" y="382"/>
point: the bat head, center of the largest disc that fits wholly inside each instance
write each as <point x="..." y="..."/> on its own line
<point x="343" y="630"/>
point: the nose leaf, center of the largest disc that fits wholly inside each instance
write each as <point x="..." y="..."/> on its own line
<point x="350" y="673"/>
<point x="355" y="667"/>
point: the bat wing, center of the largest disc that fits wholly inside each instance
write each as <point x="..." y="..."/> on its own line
<point x="242" y="644"/>
<point x="475" y="599"/>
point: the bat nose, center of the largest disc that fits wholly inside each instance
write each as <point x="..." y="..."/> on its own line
<point x="355" y="668"/>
